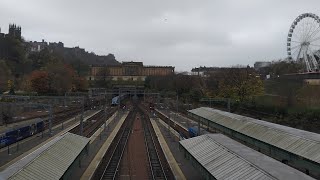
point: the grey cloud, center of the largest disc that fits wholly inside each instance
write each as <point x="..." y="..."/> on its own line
<point x="183" y="33"/>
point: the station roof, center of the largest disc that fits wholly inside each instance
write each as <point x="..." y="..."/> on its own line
<point x="50" y="161"/>
<point x="225" y="158"/>
<point x="302" y="143"/>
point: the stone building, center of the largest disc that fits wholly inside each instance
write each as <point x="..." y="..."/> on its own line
<point x="261" y="64"/>
<point x="1" y="34"/>
<point x="37" y="46"/>
<point x="134" y="71"/>
<point x="14" y="31"/>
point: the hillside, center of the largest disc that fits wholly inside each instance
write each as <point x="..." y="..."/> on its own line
<point x="72" y="54"/>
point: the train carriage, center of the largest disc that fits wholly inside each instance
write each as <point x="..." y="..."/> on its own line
<point x="117" y="100"/>
<point x="193" y="131"/>
<point x="21" y="132"/>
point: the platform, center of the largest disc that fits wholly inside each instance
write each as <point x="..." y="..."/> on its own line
<point x="178" y="119"/>
<point x="102" y="127"/>
<point x="165" y="125"/>
<point x="166" y="150"/>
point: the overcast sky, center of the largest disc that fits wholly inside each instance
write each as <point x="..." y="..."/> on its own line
<point x="180" y="33"/>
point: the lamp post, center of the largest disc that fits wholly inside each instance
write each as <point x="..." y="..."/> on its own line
<point x="81" y="117"/>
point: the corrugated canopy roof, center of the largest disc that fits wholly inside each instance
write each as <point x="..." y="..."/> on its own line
<point x="50" y="161"/>
<point x="299" y="142"/>
<point x="225" y="158"/>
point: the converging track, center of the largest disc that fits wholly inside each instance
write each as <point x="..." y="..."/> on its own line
<point x="93" y="123"/>
<point x="110" y="162"/>
<point x="156" y="167"/>
<point x="135" y="152"/>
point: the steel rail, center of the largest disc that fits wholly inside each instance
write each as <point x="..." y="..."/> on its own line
<point x="111" y="169"/>
<point x="155" y="164"/>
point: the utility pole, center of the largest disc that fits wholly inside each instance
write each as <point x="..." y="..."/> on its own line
<point x="1" y="115"/>
<point x="169" y="124"/>
<point x="229" y="109"/>
<point x="105" y="115"/>
<point x="119" y="99"/>
<point x="81" y="117"/>
<point x="199" y="124"/>
<point x="177" y="103"/>
<point x="50" y="120"/>
<point x="65" y="97"/>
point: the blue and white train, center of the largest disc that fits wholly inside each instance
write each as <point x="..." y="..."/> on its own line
<point x="18" y="133"/>
<point x="193" y="131"/>
<point x="116" y="100"/>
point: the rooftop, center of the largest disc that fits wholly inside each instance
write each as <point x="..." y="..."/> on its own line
<point x="225" y="158"/>
<point x="302" y="143"/>
<point x="50" y="161"/>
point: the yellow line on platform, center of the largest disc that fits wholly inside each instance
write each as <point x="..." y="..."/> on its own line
<point x="97" y="159"/>
<point x="169" y="156"/>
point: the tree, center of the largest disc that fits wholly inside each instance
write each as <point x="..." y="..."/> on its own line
<point x="240" y="83"/>
<point x="5" y="75"/>
<point x="79" y="84"/>
<point x="60" y="77"/>
<point x="39" y="81"/>
<point x="308" y="95"/>
<point x="81" y="68"/>
<point x="285" y="67"/>
<point x="196" y="94"/>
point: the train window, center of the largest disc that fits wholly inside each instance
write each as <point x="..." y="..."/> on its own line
<point x="18" y="134"/>
<point x="33" y="129"/>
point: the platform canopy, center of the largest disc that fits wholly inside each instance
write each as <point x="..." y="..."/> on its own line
<point x="302" y="143"/>
<point x="50" y="161"/>
<point x="224" y="158"/>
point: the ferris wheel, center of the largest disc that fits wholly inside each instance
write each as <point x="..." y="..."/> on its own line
<point x="303" y="42"/>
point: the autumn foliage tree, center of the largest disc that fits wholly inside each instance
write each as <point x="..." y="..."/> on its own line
<point x="79" y="84"/>
<point x="60" y="77"/>
<point x="56" y="78"/>
<point x="39" y="81"/>
<point x="63" y="78"/>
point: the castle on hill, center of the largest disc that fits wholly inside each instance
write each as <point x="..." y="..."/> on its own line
<point x="14" y="31"/>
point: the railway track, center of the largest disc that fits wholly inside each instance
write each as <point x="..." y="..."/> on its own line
<point x="157" y="171"/>
<point x="109" y="165"/>
<point x="93" y="123"/>
<point x="180" y="129"/>
<point x="156" y="164"/>
<point x="61" y="117"/>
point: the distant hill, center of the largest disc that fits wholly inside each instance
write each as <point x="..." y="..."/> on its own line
<point x="24" y="57"/>
<point x="71" y="54"/>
